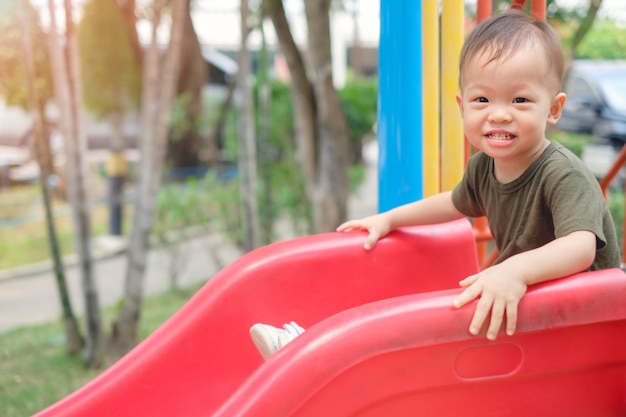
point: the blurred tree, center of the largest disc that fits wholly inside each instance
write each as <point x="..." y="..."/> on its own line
<point x="605" y="40"/>
<point x="12" y="73"/>
<point x="302" y="95"/>
<point x="70" y="324"/>
<point x="185" y="142"/>
<point x="111" y="87"/>
<point x="110" y="72"/>
<point x="321" y="132"/>
<point x="263" y="92"/>
<point x="160" y="74"/>
<point x="68" y="87"/>
<point x="247" y="143"/>
<point x="580" y="21"/>
<point x="573" y="22"/>
<point x="359" y="99"/>
<point x="129" y="13"/>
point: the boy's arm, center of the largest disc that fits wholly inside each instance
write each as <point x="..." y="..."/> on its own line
<point x="502" y="286"/>
<point x="435" y="209"/>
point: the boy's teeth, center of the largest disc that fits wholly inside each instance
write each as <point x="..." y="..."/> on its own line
<point x="499" y="136"/>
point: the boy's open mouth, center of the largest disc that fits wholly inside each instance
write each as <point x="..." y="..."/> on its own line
<point x="500" y="136"/>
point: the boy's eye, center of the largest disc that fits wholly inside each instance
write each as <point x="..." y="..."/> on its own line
<point x="482" y="100"/>
<point x="520" y="100"/>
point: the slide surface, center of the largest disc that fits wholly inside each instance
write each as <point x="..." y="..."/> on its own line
<point x="382" y="340"/>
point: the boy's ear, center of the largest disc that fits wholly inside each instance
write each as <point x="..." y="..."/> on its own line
<point x="556" y="108"/>
<point x="459" y="101"/>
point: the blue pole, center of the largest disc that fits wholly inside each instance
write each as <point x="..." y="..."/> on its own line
<point x="400" y="166"/>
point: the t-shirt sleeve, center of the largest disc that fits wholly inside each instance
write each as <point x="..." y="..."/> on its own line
<point x="576" y="203"/>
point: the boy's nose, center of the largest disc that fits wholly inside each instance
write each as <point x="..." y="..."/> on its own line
<point x="499" y="114"/>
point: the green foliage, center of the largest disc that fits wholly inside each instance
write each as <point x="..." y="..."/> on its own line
<point x="558" y="11"/>
<point x="205" y="204"/>
<point x="575" y="142"/>
<point x="110" y="71"/>
<point x="605" y="40"/>
<point x="23" y="235"/>
<point x="12" y="72"/>
<point x="282" y="190"/>
<point x="359" y="99"/>
<point x="281" y="122"/>
<point x="179" y="120"/>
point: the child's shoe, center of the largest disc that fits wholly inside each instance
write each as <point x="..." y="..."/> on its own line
<point x="268" y="339"/>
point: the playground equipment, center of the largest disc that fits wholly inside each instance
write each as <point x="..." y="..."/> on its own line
<point x="383" y="338"/>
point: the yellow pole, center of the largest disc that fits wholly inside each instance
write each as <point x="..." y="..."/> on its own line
<point x="430" y="91"/>
<point x="453" y="141"/>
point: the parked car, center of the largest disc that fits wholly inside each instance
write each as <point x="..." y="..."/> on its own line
<point x="596" y="101"/>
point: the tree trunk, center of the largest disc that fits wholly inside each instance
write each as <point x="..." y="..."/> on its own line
<point x="159" y="84"/>
<point x="215" y="141"/>
<point x="321" y="131"/>
<point x="267" y="207"/>
<point x="46" y="161"/>
<point x="76" y="144"/>
<point x="331" y="194"/>
<point x="116" y="168"/>
<point x="302" y="95"/>
<point x="247" y="145"/>
<point x="184" y="149"/>
<point x="73" y="336"/>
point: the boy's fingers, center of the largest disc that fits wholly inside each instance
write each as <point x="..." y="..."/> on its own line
<point x="372" y="237"/>
<point x="497" y="314"/>
<point x="346" y="227"/>
<point x="511" y="318"/>
<point x="466" y="282"/>
<point x="482" y="311"/>
<point x="470" y="293"/>
<point x="371" y="240"/>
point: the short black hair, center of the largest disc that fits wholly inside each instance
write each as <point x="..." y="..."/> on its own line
<point x="502" y="35"/>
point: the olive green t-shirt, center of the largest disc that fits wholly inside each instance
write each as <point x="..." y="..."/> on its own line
<point x="555" y="196"/>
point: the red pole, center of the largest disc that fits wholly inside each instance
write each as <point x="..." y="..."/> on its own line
<point x="538" y="9"/>
<point x="613" y="171"/>
<point x="518" y="4"/>
<point x="483" y="10"/>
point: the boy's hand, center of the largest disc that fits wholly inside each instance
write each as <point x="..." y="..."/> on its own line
<point x="377" y="226"/>
<point x="500" y="291"/>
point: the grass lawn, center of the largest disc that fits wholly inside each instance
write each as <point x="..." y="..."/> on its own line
<point x="35" y="369"/>
<point x="23" y="230"/>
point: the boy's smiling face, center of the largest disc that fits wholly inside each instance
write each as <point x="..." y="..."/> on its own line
<point x="507" y="103"/>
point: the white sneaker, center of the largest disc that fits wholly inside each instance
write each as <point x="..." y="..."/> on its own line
<point x="269" y="339"/>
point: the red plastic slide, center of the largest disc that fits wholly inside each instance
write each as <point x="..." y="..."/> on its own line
<point x="382" y="340"/>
